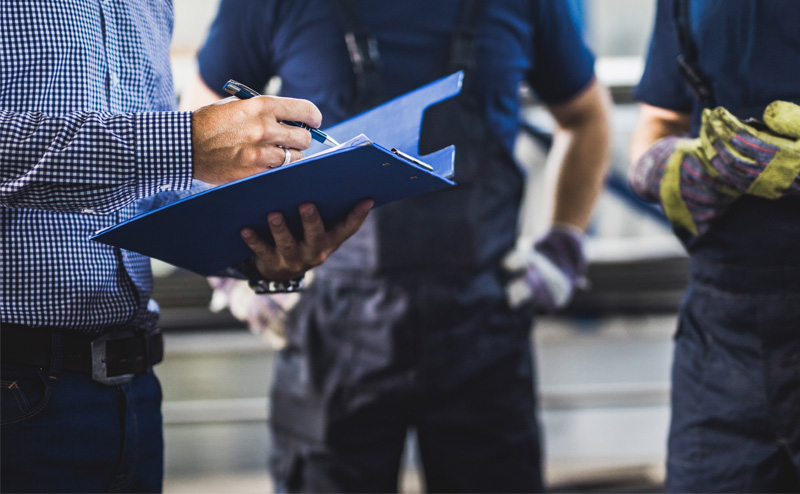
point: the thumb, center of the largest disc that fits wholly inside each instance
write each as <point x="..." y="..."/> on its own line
<point x="783" y="117"/>
<point x="518" y="291"/>
<point x="718" y="123"/>
<point x="517" y="260"/>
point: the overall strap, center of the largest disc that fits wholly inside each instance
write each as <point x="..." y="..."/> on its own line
<point x="687" y="60"/>
<point x="366" y="61"/>
<point x="364" y="58"/>
<point x="464" y="44"/>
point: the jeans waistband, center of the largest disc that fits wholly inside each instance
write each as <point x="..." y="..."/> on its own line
<point x="113" y="358"/>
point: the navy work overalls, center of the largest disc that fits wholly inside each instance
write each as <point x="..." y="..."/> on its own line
<point x="406" y="326"/>
<point x="736" y="372"/>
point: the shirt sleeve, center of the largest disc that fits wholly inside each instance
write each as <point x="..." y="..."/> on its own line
<point x="91" y="162"/>
<point x="563" y="64"/>
<point x="661" y="84"/>
<point x="238" y="45"/>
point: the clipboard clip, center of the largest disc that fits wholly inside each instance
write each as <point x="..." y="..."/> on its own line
<point x="412" y="159"/>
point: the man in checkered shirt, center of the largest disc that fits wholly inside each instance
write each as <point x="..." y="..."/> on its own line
<point x="87" y="128"/>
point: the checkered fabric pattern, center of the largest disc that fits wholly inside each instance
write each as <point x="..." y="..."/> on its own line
<point x="87" y="128"/>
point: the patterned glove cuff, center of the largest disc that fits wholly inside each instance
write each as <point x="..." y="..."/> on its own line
<point x="563" y="246"/>
<point x="646" y="174"/>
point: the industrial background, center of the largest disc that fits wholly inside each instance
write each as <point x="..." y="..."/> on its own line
<point x="603" y="364"/>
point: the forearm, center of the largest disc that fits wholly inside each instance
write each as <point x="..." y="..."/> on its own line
<point x="91" y="161"/>
<point x="581" y="155"/>
<point x="651" y="144"/>
<point x="653" y="127"/>
<point x="584" y="156"/>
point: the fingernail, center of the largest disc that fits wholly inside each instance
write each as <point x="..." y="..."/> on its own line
<point x="247" y="233"/>
<point x="306" y="210"/>
<point x="275" y="219"/>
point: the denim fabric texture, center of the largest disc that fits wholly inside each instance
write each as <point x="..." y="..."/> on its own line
<point x="64" y="432"/>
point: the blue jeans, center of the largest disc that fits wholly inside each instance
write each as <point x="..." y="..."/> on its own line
<point x="736" y="382"/>
<point x="63" y="432"/>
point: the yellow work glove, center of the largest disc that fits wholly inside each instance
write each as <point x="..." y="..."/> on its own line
<point x="696" y="180"/>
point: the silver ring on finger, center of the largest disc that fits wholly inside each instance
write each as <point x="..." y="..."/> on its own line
<point x="287" y="156"/>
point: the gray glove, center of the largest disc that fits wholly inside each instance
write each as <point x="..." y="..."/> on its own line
<point x="548" y="274"/>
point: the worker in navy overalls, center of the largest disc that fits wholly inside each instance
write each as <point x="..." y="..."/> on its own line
<point x="736" y="372"/>
<point x="410" y="324"/>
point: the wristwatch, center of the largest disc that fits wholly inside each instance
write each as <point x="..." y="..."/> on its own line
<point x="263" y="286"/>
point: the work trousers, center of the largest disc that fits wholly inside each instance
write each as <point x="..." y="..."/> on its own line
<point x="63" y="432"/>
<point x="368" y="358"/>
<point x="736" y="382"/>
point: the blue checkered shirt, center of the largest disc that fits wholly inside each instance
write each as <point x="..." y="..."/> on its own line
<point x="87" y="128"/>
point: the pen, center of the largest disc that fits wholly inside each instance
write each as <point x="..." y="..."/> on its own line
<point x="243" y="92"/>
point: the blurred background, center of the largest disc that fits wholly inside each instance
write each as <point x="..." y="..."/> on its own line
<point x="603" y="364"/>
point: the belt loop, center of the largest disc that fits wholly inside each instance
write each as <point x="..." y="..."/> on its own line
<point x="147" y="352"/>
<point x="56" y="354"/>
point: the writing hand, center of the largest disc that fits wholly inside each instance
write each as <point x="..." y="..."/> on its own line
<point x="233" y="139"/>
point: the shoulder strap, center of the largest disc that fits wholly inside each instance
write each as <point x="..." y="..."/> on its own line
<point x="464" y="44"/>
<point x="364" y="58"/>
<point x="687" y="60"/>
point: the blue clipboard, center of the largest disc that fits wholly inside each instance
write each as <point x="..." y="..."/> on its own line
<point x="201" y="232"/>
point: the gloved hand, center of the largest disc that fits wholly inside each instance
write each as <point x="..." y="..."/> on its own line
<point x="695" y="180"/>
<point x="754" y="158"/>
<point x="264" y="314"/>
<point x="549" y="273"/>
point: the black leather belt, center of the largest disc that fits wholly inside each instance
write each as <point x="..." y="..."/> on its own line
<point x="112" y="358"/>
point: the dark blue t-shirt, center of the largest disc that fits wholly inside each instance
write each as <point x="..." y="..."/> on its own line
<point x="749" y="50"/>
<point x="301" y="41"/>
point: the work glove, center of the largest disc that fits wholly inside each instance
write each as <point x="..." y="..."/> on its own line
<point x="695" y="180"/>
<point x="265" y="315"/>
<point x="547" y="275"/>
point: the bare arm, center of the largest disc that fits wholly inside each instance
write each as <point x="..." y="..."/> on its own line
<point x="550" y="273"/>
<point x="648" y="159"/>
<point x="581" y="149"/>
<point x="656" y="123"/>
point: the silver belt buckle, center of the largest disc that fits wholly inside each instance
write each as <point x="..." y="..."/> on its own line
<point x="99" y="360"/>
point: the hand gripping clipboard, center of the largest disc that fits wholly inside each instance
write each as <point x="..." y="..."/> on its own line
<point x="201" y="232"/>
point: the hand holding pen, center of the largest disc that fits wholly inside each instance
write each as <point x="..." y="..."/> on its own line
<point x="243" y="92"/>
<point x="240" y="138"/>
<point x="236" y="139"/>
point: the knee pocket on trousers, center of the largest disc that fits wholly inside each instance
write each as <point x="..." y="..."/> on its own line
<point x="287" y="462"/>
